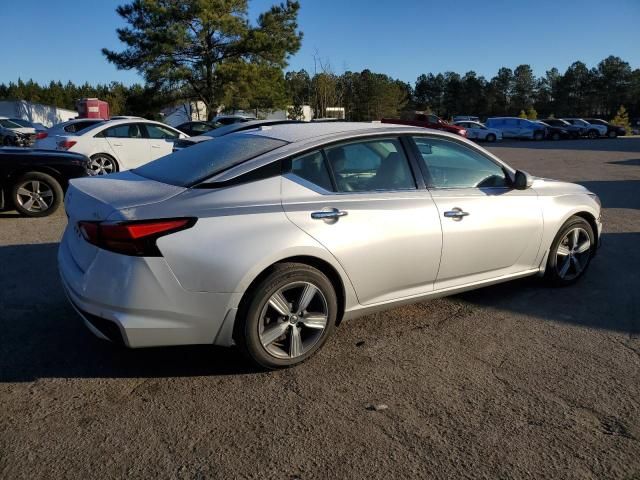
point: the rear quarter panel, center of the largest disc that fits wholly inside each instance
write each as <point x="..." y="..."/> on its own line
<point x="222" y="252"/>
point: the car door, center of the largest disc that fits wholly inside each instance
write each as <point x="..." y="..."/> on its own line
<point x="129" y="144"/>
<point x="489" y="229"/>
<point x="361" y="202"/>
<point x="161" y="140"/>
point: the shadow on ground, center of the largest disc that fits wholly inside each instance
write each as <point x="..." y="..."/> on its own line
<point x="43" y="337"/>
<point x="616" y="193"/>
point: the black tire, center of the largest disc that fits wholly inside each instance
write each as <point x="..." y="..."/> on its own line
<point x="555" y="136"/>
<point x="99" y="161"/>
<point x="537" y="136"/>
<point x="613" y="134"/>
<point x="592" y="134"/>
<point x="553" y="273"/>
<point x="491" y="138"/>
<point x="255" y="304"/>
<point x="49" y="194"/>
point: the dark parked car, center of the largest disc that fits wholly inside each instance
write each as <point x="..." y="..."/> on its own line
<point x="196" y="128"/>
<point x="34" y="181"/>
<point x="612" y="130"/>
<point x="575" y="131"/>
<point x="555" y="133"/>
<point x="226" y="130"/>
<point x="428" y="121"/>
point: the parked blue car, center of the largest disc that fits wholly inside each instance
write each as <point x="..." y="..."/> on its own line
<point x="514" y="127"/>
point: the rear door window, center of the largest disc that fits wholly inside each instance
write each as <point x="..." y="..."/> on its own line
<point x="372" y="165"/>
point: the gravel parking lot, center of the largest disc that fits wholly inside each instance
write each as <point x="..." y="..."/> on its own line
<point x="512" y="381"/>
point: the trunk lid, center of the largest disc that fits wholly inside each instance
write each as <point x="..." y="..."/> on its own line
<point x="103" y="198"/>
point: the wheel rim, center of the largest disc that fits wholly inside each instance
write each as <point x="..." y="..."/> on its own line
<point x="293" y="320"/>
<point x="35" y="196"/>
<point x="102" y="165"/>
<point x="592" y="134"/>
<point x="612" y="134"/>
<point x="573" y="253"/>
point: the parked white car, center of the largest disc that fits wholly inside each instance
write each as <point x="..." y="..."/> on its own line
<point x="119" y="145"/>
<point x="479" y="131"/>
<point x="592" y="130"/>
<point x="48" y="139"/>
<point x="14" y="134"/>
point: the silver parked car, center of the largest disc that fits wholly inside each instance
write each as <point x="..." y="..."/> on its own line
<point x="269" y="238"/>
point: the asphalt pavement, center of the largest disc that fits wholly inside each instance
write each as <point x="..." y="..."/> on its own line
<point x="517" y="380"/>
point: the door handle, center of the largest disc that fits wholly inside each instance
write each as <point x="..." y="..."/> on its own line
<point x="155" y="146"/>
<point x="116" y="144"/>
<point x="456" y="213"/>
<point x="334" y="213"/>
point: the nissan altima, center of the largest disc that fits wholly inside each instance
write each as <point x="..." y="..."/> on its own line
<point x="267" y="239"/>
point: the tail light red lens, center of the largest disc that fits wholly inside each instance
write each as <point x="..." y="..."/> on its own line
<point x="41" y="135"/>
<point x="66" y="144"/>
<point x="137" y="238"/>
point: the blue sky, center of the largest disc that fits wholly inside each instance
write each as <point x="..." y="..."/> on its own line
<point x="61" y="39"/>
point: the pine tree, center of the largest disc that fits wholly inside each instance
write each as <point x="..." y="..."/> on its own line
<point x="622" y="119"/>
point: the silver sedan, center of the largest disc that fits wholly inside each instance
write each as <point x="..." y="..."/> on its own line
<point x="269" y="238"/>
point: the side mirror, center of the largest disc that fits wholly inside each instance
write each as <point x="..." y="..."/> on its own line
<point x="522" y="180"/>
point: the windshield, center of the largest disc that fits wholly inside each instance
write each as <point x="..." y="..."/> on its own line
<point x="193" y="165"/>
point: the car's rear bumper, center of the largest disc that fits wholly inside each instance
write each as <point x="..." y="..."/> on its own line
<point x="138" y="302"/>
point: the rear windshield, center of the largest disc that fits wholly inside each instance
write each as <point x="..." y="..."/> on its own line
<point x="197" y="163"/>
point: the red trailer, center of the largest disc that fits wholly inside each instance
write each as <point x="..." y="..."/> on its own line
<point x="93" y="108"/>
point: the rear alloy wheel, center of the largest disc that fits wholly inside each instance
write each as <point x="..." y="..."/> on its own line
<point x="101" y="164"/>
<point x="571" y="252"/>
<point x="537" y="136"/>
<point x="613" y="134"/>
<point x="555" y="136"/>
<point x="491" y="138"/>
<point x="36" y="194"/>
<point x="592" y="134"/>
<point x="291" y="314"/>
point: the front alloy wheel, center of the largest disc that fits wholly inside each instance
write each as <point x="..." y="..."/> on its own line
<point x="571" y="252"/>
<point x="287" y="317"/>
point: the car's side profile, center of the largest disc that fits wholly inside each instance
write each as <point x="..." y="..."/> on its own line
<point x="591" y="130"/>
<point x="118" y="145"/>
<point x="269" y="238"/>
<point x="514" y="127"/>
<point x="612" y="131"/>
<point x="478" y="131"/>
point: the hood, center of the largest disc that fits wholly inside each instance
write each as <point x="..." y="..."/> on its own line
<point x="546" y="186"/>
<point x="97" y="198"/>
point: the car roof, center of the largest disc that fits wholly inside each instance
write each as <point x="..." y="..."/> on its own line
<point x="125" y="121"/>
<point x="301" y="132"/>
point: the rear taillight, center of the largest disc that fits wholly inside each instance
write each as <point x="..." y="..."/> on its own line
<point x="66" y="144"/>
<point x="137" y="238"/>
<point x="462" y="132"/>
<point x="41" y="135"/>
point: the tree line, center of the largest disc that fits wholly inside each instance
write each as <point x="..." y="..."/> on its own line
<point x="579" y="91"/>
<point x="366" y="95"/>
